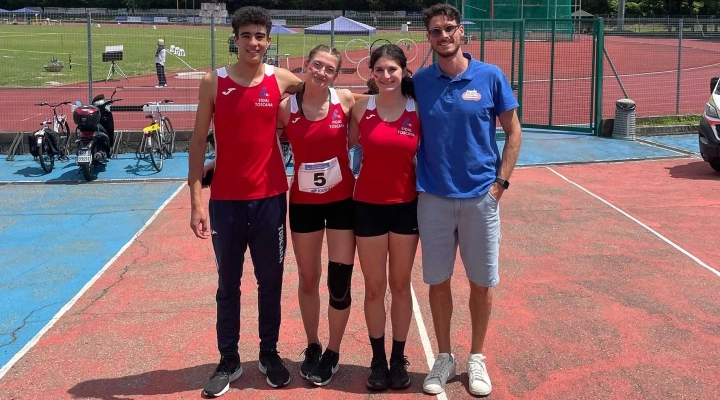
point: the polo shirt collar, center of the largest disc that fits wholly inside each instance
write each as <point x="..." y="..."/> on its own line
<point x="466" y="75"/>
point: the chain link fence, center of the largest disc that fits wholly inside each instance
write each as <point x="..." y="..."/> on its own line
<point x="663" y="65"/>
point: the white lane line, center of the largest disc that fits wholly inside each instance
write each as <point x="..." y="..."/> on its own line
<point x="424" y="338"/>
<point x="663" y="238"/>
<point x="87" y="286"/>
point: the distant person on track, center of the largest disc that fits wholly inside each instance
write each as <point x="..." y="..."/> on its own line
<point x="160" y="54"/>
<point x="387" y="127"/>
<point x="315" y="122"/>
<point x="232" y="49"/>
<point x="461" y="177"/>
<point x="248" y="204"/>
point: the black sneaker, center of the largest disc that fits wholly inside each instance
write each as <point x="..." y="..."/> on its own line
<point x="329" y="364"/>
<point x="399" y="378"/>
<point x="273" y="366"/>
<point x="312" y="358"/>
<point x="379" y="375"/>
<point x="227" y="371"/>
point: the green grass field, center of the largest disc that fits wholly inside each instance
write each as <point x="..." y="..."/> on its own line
<point x="25" y="49"/>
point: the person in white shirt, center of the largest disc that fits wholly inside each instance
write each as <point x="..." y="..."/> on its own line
<point x="160" y="63"/>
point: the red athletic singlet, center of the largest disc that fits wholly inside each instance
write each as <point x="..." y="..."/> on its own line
<point x="248" y="158"/>
<point x="320" y="148"/>
<point x="387" y="174"/>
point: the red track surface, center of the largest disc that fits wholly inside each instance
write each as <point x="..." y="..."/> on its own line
<point x="590" y="304"/>
<point x="647" y="69"/>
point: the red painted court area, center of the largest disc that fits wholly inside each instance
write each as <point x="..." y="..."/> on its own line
<point x="591" y="303"/>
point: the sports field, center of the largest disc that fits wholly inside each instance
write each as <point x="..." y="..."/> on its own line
<point x="25" y="49"/>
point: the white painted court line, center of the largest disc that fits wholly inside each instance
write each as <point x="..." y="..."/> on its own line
<point x="82" y="291"/>
<point x="663" y="238"/>
<point x="424" y="338"/>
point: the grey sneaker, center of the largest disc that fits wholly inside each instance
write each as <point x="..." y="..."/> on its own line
<point x="442" y="371"/>
<point x="479" y="380"/>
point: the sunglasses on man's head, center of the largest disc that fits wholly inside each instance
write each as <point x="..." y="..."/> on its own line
<point x="449" y="29"/>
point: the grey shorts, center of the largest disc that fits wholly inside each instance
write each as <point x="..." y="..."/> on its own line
<point x="473" y="224"/>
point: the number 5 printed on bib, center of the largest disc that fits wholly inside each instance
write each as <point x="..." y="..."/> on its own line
<point x="319" y="177"/>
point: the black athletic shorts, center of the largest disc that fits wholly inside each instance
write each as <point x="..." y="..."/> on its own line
<point x="379" y="219"/>
<point x="306" y="218"/>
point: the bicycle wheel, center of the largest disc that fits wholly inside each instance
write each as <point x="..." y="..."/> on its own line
<point x="63" y="141"/>
<point x="154" y="143"/>
<point x="363" y="68"/>
<point x="409" y="47"/>
<point x="168" y="137"/>
<point x="357" y="48"/>
<point x="47" y="160"/>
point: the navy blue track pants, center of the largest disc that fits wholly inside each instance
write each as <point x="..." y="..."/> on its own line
<point x="237" y="225"/>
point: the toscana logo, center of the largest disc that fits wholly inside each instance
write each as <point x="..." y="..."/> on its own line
<point x="263" y="101"/>
<point x="335" y="121"/>
<point x="472" y="95"/>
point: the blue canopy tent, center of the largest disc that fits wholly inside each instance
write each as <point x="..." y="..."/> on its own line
<point x="343" y="26"/>
<point x="25" y="11"/>
<point x="4" y="11"/>
<point x="277" y="30"/>
<point x="340" y="26"/>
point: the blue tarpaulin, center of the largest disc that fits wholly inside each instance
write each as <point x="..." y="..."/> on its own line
<point x="276" y="30"/>
<point x="25" y="11"/>
<point x="343" y="26"/>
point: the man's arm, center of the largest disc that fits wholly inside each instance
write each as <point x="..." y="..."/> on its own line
<point x="198" y="143"/>
<point x="287" y="81"/>
<point x="283" y="116"/>
<point x="513" y="139"/>
<point x="354" y="128"/>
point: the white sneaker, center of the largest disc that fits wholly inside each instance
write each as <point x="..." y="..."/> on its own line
<point x="442" y="371"/>
<point x="479" y="380"/>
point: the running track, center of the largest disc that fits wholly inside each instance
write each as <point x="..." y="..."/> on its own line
<point x="609" y="289"/>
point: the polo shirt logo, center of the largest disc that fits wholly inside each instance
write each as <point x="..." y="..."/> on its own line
<point x="472" y="95"/>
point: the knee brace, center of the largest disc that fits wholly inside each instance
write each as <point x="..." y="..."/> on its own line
<point x="338" y="282"/>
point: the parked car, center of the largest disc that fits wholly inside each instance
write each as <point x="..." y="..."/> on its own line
<point x="709" y="131"/>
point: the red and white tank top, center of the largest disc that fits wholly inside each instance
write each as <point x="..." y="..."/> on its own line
<point x="248" y="157"/>
<point x="320" y="149"/>
<point x="387" y="173"/>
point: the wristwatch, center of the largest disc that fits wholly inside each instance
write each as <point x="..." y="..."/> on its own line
<point x="505" y="184"/>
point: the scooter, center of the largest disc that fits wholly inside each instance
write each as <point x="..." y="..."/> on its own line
<point x="95" y="133"/>
<point x="709" y="130"/>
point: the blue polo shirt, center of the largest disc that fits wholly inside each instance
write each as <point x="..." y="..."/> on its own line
<point x="458" y="155"/>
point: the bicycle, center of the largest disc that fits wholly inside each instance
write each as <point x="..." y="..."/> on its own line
<point x="159" y="137"/>
<point x="51" y="142"/>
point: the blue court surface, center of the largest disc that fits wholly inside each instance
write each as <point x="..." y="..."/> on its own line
<point x="126" y="166"/>
<point x="683" y="142"/>
<point x="55" y="238"/>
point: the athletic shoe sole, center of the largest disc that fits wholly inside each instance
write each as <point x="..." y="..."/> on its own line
<point x="235" y="375"/>
<point x="442" y="389"/>
<point x="269" y="382"/>
<point x="333" y="370"/>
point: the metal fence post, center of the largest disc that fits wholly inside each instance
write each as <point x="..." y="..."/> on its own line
<point x="599" y="75"/>
<point x="89" y="42"/>
<point x="679" y="67"/>
<point x="212" y="42"/>
<point x="552" y="70"/>
<point x="521" y="70"/>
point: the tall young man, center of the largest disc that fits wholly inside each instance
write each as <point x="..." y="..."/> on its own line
<point x="248" y="192"/>
<point x="461" y="176"/>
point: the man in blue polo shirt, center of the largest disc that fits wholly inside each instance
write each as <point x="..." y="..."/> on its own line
<point x="461" y="177"/>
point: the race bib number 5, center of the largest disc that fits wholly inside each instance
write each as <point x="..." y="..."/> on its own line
<point x="319" y="177"/>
